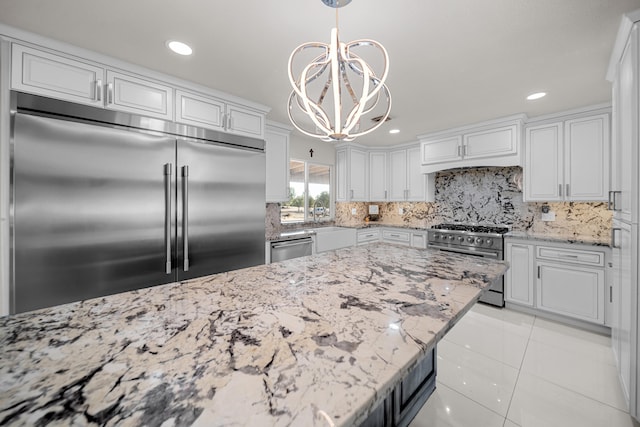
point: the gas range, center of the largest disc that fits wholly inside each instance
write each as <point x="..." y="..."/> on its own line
<point x="468" y="237"/>
<point x="478" y="240"/>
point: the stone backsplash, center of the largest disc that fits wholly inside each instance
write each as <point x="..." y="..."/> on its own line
<point x="486" y="196"/>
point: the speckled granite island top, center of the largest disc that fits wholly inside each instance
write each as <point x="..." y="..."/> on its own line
<point x="310" y="341"/>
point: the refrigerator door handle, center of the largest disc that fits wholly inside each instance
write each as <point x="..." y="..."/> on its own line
<point x="185" y="216"/>
<point x="167" y="215"/>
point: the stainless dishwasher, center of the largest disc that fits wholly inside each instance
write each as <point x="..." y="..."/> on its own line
<point x="291" y="248"/>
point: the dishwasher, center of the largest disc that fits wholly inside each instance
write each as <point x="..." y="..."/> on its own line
<point x="291" y="248"/>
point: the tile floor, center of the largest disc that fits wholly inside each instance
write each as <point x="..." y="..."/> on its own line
<point x="503" y="368"/>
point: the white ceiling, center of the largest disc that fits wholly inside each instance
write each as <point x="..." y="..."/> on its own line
<point x="453" y="62"/>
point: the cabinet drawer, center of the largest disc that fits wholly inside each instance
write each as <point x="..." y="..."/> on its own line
<point x="396" y="236"/>
<point x="368" y="236"/>
<point x="573" y="256"/>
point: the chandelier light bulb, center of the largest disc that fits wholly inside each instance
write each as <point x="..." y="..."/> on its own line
<point x="337" y="89"/>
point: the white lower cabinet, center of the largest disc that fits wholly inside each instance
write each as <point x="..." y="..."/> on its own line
<point x="368" y="235"/>
<point x="397" y="236"/>
<point x="519" y="278"/>
<point x="572" y="291"/>
<point x="563" y="279"/>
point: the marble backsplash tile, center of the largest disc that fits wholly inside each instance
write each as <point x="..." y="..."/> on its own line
<point x="486" y="195"/>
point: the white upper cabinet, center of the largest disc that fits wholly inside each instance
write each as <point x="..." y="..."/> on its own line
<point x="625" y="199"/>
<point x="138" y="96"/>
<point x="214" y="113"/>
<point x="351" y="174"/>
<point x="378" y="176"/>
<point x="568" y="160"/>
<point x="277" y="162"/>
<point x="587" y="148"/>
<point x="406" y="180"/>
<point x="69" y="77"/>
<point x="544" y="162"/>
<point x="498" y="142"/>
<point x="201" y="111"/>
<point x="494" y="143"/>
<point x="388" y="175"/>
<point x="244" y="121"/>
<point x="55" y="76"/>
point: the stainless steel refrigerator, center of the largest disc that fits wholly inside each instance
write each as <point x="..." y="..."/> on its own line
<point x="104" y="202"/>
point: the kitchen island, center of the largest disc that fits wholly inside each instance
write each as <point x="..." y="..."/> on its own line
<point x="319" y="340"/>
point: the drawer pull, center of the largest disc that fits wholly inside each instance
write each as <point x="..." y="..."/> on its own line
<point x="568" y="256"/>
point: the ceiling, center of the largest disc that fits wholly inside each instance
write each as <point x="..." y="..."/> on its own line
<point x="453" y="62"/>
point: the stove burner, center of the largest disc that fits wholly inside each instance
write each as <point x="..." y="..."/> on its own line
<point x="495" y="229"/>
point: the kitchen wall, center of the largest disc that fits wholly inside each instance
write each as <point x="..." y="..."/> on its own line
<point x="486" y="195"/>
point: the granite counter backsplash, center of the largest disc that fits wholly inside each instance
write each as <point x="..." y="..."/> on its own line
<point x="489" y="195"/>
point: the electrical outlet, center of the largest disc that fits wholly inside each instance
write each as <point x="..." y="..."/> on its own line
<point x="353" y="211"/>
<point x="549" y="216"/>
<point x="400" y="211"/>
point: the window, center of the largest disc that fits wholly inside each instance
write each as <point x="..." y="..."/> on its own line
<point x="309" y="193"/>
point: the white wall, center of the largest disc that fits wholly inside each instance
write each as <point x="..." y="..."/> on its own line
<point x="323" y="152"/>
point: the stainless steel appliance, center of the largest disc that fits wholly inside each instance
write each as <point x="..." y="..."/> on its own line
<point x="104" y="202"/>
<point x="477" y="240"/>
<point x="291" y="248"/>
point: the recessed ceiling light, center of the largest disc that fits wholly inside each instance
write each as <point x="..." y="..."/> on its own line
<point x="536" y="95"/>
<point x="179" y="47"/>
<point x="394" y="131"/>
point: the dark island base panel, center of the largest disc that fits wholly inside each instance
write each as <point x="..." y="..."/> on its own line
<point x="400" y="406"/>
<point x="312" y="341"/>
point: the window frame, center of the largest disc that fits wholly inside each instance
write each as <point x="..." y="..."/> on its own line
<point x="332" y="201"/>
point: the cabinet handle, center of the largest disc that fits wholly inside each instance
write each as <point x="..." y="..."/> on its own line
<point x="229" y="122"/>
<point x="560" y="190"/>
<point x="538" y="272"/>
<point x="464" y="151"/>
<point x="98" y="90"/>
<point x="459" y="150"/>
<point x="568" y="256"/>
<point x="610" y="293"/>
<point x="610" y="203"/>
<point x="568" y="193"/>
<point x="351" y="192"/>
<point x="613" y="237"/>
<point x="110" y="93"/>
<point x="223" y="118"/>
<point x="385" y="194"/>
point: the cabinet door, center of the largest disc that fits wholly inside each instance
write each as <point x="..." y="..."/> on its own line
<point x="628" y="131"/>
<point x="586" y="145"/>
<point x="543" y="163"/>
<point x="139" y="96"/>
<point x="491" y="143"/>
<point x="358" y="175"/>
<point x="441" y="150"/>
<point x="416" y="180"/>
<point x="199" y="111"/>
<point x="377" y="176"/>
<point x="625" y="258"/>
<point x="398" y="176"/>
<point x="519" y="277"/>
<point x="244" y="121"/>
<point x="341" y="176"/>
<point x="277" y="159"/>
<point x="576" y="292"/>
<point x="55" y="76"/>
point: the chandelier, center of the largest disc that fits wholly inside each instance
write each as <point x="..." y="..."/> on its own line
<point x="337" y="88"/>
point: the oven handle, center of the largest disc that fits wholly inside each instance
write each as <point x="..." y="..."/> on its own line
<point x="495" y="255"/>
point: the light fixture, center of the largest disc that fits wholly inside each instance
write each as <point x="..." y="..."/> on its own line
<point x="536" y="95"/>
<point x="394" y="131"/>
<point x="340" y="80"/>
<point x="179" y="47"/>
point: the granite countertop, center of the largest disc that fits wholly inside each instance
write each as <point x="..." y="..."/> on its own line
<point x="298" y="342"/>
<point x="583" y="240"/>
